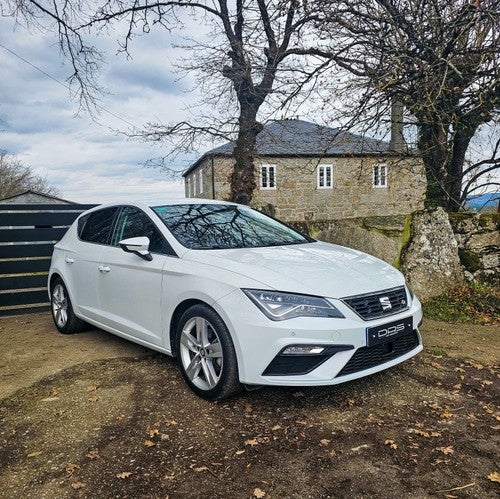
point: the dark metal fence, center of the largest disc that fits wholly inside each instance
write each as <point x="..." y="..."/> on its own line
<point x="28" y="233"/>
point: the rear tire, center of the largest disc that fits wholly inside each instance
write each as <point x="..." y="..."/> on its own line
<point x="206" y="354"/>
<point x="62" y="310"/>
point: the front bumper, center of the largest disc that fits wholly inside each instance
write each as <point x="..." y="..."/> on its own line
<point x="260" y="344"/>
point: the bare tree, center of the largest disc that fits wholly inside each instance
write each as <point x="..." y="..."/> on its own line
<point x="440" y="58"/>
<point x="263" y="49"/>
<point x="16" y="177"/>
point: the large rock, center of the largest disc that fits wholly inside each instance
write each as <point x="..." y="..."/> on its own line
<point x="430" y="262"/>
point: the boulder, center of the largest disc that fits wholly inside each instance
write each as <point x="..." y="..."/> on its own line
<point x="430" y="261"/>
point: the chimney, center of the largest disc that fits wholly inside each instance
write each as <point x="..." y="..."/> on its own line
<point x="397" y="143"/>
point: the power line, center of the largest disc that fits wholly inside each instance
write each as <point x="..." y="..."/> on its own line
<point x="98" y="106"/>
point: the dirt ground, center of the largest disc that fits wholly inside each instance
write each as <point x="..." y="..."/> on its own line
<point x="93" y="416"/>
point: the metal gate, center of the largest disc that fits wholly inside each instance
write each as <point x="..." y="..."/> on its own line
<point x="28" y="233"/>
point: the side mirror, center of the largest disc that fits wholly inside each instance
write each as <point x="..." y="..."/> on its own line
<point x="138" y="246"/>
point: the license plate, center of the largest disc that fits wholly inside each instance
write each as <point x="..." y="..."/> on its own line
<point x="388" y="332"/>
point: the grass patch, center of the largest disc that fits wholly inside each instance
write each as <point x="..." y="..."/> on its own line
<point x="470" y="304"/>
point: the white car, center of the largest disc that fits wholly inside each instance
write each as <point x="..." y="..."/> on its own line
<point x="238" y="297"/>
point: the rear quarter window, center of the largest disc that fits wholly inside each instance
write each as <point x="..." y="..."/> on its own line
<point x="96" y="227"/>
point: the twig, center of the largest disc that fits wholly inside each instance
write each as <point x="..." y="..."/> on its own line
<point x="457" y="488"/>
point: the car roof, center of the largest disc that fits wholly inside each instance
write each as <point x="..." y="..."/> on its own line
<point x="145" y="204"/>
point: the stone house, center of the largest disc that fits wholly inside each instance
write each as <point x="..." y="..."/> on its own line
<point x="306" y="171"/>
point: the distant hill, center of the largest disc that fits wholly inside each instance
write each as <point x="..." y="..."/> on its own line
<point x="483" y="202"/>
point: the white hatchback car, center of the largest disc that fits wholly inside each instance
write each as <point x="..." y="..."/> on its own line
<point x="238" y="297"/>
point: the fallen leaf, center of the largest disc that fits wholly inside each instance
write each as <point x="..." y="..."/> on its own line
<point x="93" y="454"/>
<point x="152" y="432"/>
<point x="93" y="399"/>
<point x="35" y="453"/>
<point x="446" y="415"/>
<point x="475" y="364"/>
<point x="324" y="441"/>
<point x="494" y="476"/>
<point x="78" y="485"/>
<point x="252" y="442"/>
<point x="332" y="453"/>
<point x="424" y="433"/>
<point x="199" y="469"/>
<point x="391" y="444"/>
<point x="71" y="468"/>
<point x="149" y="443"/>
<point x="248" y="407"/>
<point x="164" y="437"/>
<point x="436" y="365"/>
<point x="91" y="388"/>
<point x="168" y="477"/>
<point x="276" y="427"/>
<point x="488" y="410"/>
<point x="350" y="402"/>
<point x="446" y="450"/>
<point x="240" y="452"/>
<point x="172" y="422"/>
<point x="259" y="493"/>
<point x="363" y="446"/>
<point x="439" y="461"/>
<point x="123" y="474"/>
<point x="486" y="382"/>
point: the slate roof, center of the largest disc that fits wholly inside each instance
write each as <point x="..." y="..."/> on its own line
<point x="298" y="138"/>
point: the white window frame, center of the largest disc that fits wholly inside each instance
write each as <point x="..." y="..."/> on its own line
<point x="379" y="176"/>
<point x="324" y="168"/>
<point x="200" y="181"/>
<point x="267" y="169"/>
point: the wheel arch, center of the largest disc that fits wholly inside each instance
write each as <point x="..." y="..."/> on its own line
<point x="174" y="321"/>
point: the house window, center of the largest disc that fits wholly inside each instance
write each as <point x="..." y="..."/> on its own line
<point x="268" y="177"/>
<point x="325" y="176"/>
<point x="200" y="181"/>
<point x="380" y="176"/>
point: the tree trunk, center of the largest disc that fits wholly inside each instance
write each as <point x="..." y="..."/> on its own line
<point x="243" y="178"/>
<point x="432" y="144"/>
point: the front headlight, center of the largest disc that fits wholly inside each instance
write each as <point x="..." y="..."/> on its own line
<point x="280" y="306"/>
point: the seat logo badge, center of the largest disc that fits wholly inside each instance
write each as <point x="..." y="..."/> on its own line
<point x="385" y="302"/>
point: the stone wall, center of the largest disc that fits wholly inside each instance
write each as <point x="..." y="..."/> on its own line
<point x="297" y="196"/>
<point x="478" y="238"/>
<point x="432" y="249"/>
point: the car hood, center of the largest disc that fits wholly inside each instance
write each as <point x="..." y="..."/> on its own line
<point x="316" y="268"/>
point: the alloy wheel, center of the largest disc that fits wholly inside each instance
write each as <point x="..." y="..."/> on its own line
<point x="201" y="353"/>
<point x="60" y="305"/>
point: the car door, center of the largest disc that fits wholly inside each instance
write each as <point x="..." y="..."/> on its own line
<point x="81" y="259"/>
<point x="130" y="286"/>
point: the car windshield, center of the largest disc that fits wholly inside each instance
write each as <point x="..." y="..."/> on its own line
<point x="221" y="226"/>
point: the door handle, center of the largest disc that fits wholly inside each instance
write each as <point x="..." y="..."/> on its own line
<point x="69" y="260"/>
<point x="104" y="269"/>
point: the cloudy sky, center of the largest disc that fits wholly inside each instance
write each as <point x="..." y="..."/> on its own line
<point x="87" y="160"/>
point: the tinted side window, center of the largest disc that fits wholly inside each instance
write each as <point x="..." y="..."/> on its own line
<point x="132" y="222"/>
<point x="97" y="227"/>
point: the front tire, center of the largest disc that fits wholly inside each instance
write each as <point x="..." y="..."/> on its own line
<point x="62" y="310"/>
<point x="206" y="354"/>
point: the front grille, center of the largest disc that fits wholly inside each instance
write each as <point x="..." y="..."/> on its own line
<point x="369" y="306"/>
<point x="367" y="357"/>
